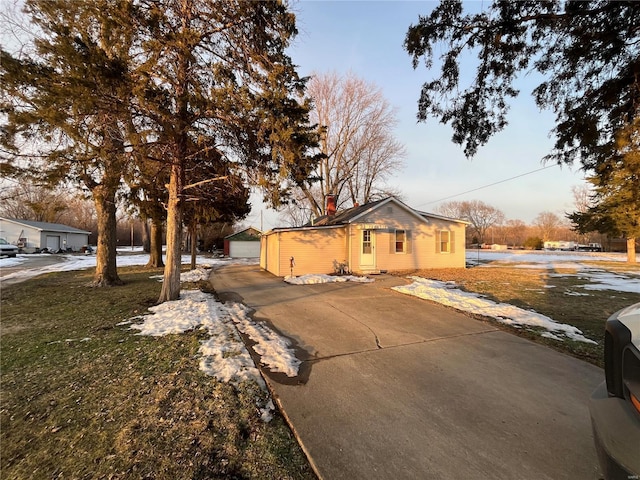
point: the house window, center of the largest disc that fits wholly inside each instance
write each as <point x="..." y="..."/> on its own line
<point x="445" y="242"/>
<point x="366" y="242"/>
<point x="401" y="241"/>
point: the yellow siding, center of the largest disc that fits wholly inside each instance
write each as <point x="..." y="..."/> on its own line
<point x="269" y="253"/>
<point x="314" y="251"/>
<point x="320" y="250"/>
<point x="423" y="235"/>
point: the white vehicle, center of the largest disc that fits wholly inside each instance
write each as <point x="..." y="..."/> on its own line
<point x="615" y="404"/>
<point x="560" y="245"/>
<point x="7" y="250"/>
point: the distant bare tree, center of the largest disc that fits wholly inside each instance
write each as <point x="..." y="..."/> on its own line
<point x="582" y="197"/>
<point x="548" y="225"/>
<point x="513" y="232"/>
<point x="296" y="213"/>
<point x="80" y="213"/>
<point x="481" y="216"/>
<point x="361" y="151"/>
<point x="26" y="201"/>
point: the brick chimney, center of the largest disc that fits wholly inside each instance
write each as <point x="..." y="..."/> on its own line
<point x="330" y="209"/>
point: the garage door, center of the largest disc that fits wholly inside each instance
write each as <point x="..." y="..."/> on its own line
<point x="53" y="242"/>
<point x="244" y="249"/>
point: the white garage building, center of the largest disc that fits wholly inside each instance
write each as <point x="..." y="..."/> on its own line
<point x="244" y="244"/>
<point x="32" y="236"/>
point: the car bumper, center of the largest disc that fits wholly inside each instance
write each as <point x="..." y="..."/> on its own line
<point x="616" y="431"/>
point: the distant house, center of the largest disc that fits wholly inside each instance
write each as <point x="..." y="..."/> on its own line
<point x="243" y="244"/>
<point x="386" y="235"/>
<point x="33" y="236"/>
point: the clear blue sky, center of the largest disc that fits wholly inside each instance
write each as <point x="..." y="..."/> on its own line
<point x="366" y="37"/>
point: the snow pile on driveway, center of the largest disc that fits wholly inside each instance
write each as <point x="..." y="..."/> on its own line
<point x="446" y="293"/>
<point x="314" y="278"/>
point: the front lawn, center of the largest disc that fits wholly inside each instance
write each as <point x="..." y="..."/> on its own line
<point x="85" y="398"/>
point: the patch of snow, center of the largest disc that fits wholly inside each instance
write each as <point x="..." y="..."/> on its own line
<point x="315" y="278"/>
<point x="12" y="261"/>
<point x="561" y="259"/>
<point x="446" y="294"/>
<point x="200" y="273"/>
<point x="223" y="355"/>
<point x="275" y="351"/>
<point x="601" y="280"/>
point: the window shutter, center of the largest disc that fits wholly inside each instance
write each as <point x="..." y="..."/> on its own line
<point x="392" y="242"/>
<point x="408" y="241"/>
<point x="437" y="235"/>
<point x="452" y="241"/>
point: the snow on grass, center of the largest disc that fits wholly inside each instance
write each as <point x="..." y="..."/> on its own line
<point x="275" y="351"/>
<point x="315" y="278"/>
<point x="200" y="273"/>
<point x="223" y="355"/>
<point x="446" y="293"/>
<point x="68" y="262"/>
<point x="602" y="280"/>
<point x="597" y="278"/>
<point x="542" y="257"/>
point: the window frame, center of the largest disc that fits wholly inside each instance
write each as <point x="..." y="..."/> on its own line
<point x="404" y="241"/>
<point x="445" y="246"/>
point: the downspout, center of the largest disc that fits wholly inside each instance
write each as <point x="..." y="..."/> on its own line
<point x="279" y="259"/>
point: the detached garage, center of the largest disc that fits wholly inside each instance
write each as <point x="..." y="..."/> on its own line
<point x="244" y="244"/>
<point x="33" y="236"/>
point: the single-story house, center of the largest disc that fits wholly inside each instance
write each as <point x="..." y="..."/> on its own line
<point x="385" y="235"/>
<point x="32" y="236"/>
<point x="243" y="244"/>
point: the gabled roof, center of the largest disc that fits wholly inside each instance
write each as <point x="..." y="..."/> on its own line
<point x="352" y="214"/>
<point x="45" y="226"/>
<point x="248" y="234"/>
<point x="442" y="217"/>
<point x="346" y="216"/>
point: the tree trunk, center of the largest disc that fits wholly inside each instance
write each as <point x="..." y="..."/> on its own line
<point x="155" y="244"/>
<point x="106" y="271"/>
<point x="171" y="283"/>
<point x="194" y="244"/>
<point x="631" y="250"/>
<point x="146" y="234"/>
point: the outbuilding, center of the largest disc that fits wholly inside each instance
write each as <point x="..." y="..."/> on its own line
<point x="380" y="236"/>
<point x="243" y="244"/>
<point x="31" y="236"/>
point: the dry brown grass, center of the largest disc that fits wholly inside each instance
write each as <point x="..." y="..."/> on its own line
<point x="558" y="294"/>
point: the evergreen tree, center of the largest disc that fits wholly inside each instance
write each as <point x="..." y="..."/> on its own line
<point x="112" y="81"/>
<point x="215" y="194"/>
<point x="589" y="54"/>
<point x="215" y="75"/>
<point x="66" y="106"/>
<point x="616" y="197"/>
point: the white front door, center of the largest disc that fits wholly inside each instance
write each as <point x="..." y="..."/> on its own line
<point x="367" y="250"/>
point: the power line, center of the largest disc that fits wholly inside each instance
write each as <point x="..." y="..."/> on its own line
<point x="490" y="185"/>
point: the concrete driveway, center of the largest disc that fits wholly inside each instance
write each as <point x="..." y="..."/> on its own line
<point x="395" y="387"/>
